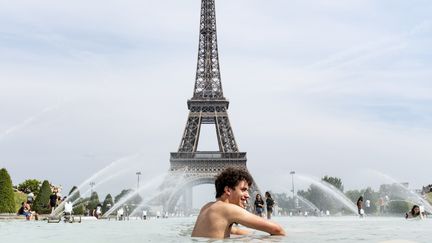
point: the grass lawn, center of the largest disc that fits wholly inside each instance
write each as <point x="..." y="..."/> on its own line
<point x="19" y="198"/>
<point x="429" y="197"/>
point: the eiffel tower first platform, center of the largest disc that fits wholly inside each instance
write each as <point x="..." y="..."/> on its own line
<point x="189" y="167"/>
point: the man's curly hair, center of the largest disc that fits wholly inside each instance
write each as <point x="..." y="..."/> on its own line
<point x="231" y="177"/>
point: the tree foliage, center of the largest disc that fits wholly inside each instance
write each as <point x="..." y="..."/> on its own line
<point x="93" y="201"/>
<point x="30" y="185"/>
<point x="353" y="195"/>
<point x="107" y="204"/>
<point x="334" y="181"/>
<point x="398" y="207"/>
<point x="319" y="198"/>
<point x="132" y="202"/>
<point x="123" y="193"/>
<point x="41" y="203"/>
<point x="79" y="204"/>
<point x="79" y="207"/>
<point x="74" y="194"/>
<point x="323" y="200"/>
<point x="7" y="197"/>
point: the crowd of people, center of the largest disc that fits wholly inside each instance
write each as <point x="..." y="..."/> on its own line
<point x="263" y="206"/>
<point x="26" y="206"/>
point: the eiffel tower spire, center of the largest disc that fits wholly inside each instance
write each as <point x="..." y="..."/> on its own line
<point x="208" y="81"/>
<point x="207" y="106"/>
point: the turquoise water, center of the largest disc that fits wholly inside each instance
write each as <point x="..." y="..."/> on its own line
<point x="299" y="229"/>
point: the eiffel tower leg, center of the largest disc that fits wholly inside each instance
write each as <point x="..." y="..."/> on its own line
<point x="225" y="135"/>
<point x="190" y="137"/>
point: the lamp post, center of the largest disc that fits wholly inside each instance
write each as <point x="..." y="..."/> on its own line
<point x="138" y="175"/>
<point x="292" y="178"/>
<point x="91" y="187"/>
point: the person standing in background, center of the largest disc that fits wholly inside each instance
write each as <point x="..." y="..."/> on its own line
<point x="270" y="204"/>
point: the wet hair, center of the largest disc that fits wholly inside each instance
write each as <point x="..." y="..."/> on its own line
<point x="231" y="177"/>
<point x="413" y="213"/>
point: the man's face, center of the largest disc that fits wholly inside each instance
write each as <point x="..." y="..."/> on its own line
<point x="239" y="195"/>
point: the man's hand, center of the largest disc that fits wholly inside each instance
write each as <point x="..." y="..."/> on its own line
<point x="238" y="231"/>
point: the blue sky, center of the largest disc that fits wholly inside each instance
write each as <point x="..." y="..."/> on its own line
<point x="320" y="87"/>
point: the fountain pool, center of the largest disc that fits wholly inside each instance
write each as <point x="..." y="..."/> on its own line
<point x="299" y="229"/>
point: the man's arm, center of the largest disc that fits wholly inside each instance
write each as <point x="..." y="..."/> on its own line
<point x="243" y="217"/>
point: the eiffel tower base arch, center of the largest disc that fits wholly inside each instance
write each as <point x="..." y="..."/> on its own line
<point x="187" y="177"/>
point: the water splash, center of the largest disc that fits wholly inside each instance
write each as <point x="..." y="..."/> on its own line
<point x="101" y="182"/>
<point x="150" y="184"/>
<point x="308" y="203"/>
<point x="330" y="189"/>
<point x="28" y="121"/>
<point x="86" y="182"/>
<point x="172" y="183"/>
<point x="150" y="198"/>
<point x="411" y="196"/>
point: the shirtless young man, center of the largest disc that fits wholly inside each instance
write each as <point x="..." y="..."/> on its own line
<point x="216" y="219"/>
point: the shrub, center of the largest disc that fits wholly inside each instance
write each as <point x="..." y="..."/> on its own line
<point x="74" y="194"/>
<point x="41" y="203"/>
<point x="108" y="200"/>
<point x="93" y="201"/>
<point x="7" y="197"/>
<point x="79" y="207"/>
<point x="398" y="207"/>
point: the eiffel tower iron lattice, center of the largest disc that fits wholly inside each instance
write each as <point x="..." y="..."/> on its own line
<point x="189" y="167"/>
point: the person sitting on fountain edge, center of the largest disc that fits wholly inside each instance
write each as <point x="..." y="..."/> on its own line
<point x="216" y="219"/>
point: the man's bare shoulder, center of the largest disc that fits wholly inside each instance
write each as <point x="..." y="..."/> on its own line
<point x="220" y="210"/>
<point x="223" y="206"/>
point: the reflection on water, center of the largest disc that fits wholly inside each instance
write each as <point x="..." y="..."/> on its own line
<point x="299" y="229"/>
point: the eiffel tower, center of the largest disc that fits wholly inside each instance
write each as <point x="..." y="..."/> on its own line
<point x="207" y="106"/>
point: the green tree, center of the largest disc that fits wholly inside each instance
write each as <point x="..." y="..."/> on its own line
<point x="319" y="198"/>
<point x="93" y="201"/>
<point x="30" y="185"/>
<point x="334" y="181"/>
<point x="398" y="207"/>
<point x="353" y="195"/>
<point x="108" y="202"/>
<point x="41" y="203"/>
<point x="79" y="207"/>
<point x="7" y="197"/>
<point x="373" y="197"/>
<point x="74" y="194"/>
<point x="123" y="193"/>
<point x="132" y="202"/>
<point x="323" y="200"/>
